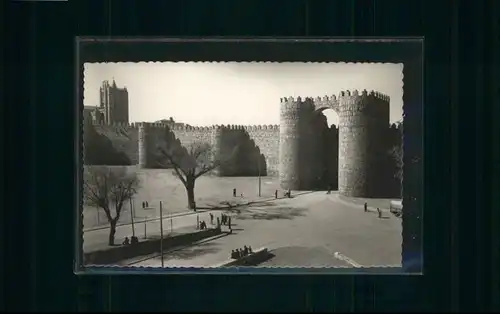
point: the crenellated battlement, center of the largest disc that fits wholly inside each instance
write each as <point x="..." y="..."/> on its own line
<point x="247" y="127"/>
<point x="305" y="152"/>
<point x="307" y="100"/>
<point x="291" y="103"/>
<point x="115" y="124"/>
<point x="262" y="127"/>
<point x="333" y="102"/>
<point x="350" y="97"/>
<point x="191" y="128"/>
<point x="152" y="125"/>
<point x="363" y="115"/>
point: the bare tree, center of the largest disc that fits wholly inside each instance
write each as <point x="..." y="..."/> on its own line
<point x="190" y="163"/>
<point x="107" y="187"/>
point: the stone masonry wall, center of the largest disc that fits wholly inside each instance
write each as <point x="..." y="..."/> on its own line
<point x="189" y="135"/>
<point x="299" y="161"/>
<point x="363" y="160"/>
<point x="362" y="121"/>
<point x="303" y="151"/>
<point x="239" y="154"/>
<point x="140" y="140"/>
<point x="124" y="139"/>
<point x="267" y="139"/>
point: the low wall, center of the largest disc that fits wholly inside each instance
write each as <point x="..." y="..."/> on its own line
<point x="257" y="257"/>
<point x="119" y="253"/>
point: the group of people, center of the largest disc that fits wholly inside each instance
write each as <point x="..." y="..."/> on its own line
<point x="222" y="220"/>
<point x="239" y="253"/>
<point x="226" y="220"/>
<point x="203" y="225"/>
<point x="132" y="240"/>
<point x="378" y="210"/>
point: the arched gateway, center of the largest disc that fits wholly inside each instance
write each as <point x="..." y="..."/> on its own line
<point x="303" y="151"/>
<point x="363" y="124"/>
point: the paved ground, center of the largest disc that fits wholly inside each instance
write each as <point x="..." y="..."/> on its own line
<point x="160" y="185"/>
<point x="312" y="230"/>
<point x="382" y="203"/>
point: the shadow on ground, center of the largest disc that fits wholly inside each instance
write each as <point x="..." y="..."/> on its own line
<point x="237" y="206"/>
<point x="194" y="251"/>
<point x="279" y="212"/>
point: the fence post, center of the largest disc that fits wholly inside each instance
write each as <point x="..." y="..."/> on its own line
<point x="161" y="235"/>
<point x="132" y="216"/>
<point x="98" y="220"/>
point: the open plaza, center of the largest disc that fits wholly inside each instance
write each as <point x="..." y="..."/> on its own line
<point x="310" y="229"/>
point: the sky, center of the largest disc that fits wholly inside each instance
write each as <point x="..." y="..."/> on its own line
<point x="202" y="94"/>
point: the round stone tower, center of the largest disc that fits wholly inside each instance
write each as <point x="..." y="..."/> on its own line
<point x="146" y="146"/>
<point x="362" y="121"/>
<point x="297" y="170"/>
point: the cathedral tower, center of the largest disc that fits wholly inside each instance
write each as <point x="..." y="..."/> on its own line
<point x="113" y="104"/>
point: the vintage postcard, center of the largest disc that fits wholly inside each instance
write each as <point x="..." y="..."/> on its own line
<point x="242" y="164"/>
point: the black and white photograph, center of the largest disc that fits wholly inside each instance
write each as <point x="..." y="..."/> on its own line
<point x="242" y="164"/>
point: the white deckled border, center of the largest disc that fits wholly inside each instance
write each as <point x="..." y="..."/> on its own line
<point x="118" y="268"/>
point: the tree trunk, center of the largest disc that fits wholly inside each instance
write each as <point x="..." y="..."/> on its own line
<point x="190" y="195"/>
<point x="112" y="232"/>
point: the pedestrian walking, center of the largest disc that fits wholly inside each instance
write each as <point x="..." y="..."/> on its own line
<point x="234" y="192"/>
<point x="329" y="189"/>
<point x="379" y="213"/>
<point x="211" y="218"/>
<point x="218" y="222"/>
<point x="276" y="194"/>
<point x="366" y="207"/>
<point x="229" y="222"/>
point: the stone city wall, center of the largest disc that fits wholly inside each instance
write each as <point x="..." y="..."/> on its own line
<point x="256" y="142"/>
<point x="303" y="151"/>
<point x="362" y="142"/>
<point x="266" y="138"/>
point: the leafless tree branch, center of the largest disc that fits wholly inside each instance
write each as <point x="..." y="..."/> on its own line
<point x="189" y="163"/>
<point x="106" y="186"/>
